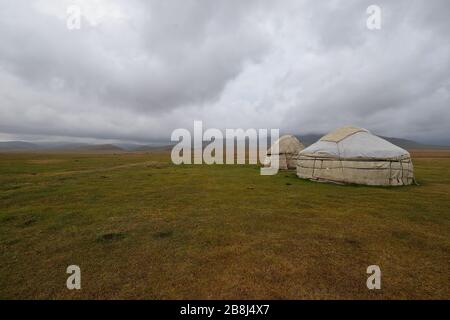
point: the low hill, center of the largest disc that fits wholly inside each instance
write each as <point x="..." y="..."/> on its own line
<point x="92" y="148"/>
<point x="17" y="145"/>
<point x="23" y="146"/>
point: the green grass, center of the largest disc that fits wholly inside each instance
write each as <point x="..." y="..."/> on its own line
<point x="140" y="227"/>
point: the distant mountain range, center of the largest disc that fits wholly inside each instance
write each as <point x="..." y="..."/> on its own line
<point x="402" y="143"/>
<point x="18" y="146"/>
<point x="23" y="146"/>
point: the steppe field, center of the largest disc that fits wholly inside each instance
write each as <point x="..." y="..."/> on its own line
<point x="140" y="227"/>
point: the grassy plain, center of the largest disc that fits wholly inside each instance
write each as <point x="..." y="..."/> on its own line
<point x="141" y="227"/>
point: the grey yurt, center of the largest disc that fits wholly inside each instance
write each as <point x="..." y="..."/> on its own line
<point x="286" y="150"/>
<point x="354" y="155"/>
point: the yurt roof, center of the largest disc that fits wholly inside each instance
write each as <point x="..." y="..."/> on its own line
<point x="342" y="133"/>
<point x="353" y="142"/>
<point x="287" y="144"/>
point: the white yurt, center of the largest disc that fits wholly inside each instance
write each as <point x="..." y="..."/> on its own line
<point x="286" y="149"/>
<point x="354" y="155"/>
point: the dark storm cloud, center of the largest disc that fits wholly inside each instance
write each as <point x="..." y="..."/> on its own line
<point x="138" y="69"/>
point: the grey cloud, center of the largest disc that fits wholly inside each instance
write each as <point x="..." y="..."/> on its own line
<point x="177" y="53"/>
<point x="302" y="66"/>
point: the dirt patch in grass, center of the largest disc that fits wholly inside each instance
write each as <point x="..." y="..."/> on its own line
<point x="401" y="235"/>
<point x="27" y="221"/>
<point x="158" y="165"/>
<point x="110" y="237"/>
<point x="12" y="242"/>
<point x="353" y="243"/>
<point x="163" y="234"/>
<point x="8" y="219"/>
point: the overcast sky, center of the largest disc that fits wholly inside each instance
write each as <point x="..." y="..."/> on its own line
<point x="136" y="70"/>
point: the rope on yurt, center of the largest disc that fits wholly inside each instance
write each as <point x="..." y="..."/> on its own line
<point x="340" y="160"/>
<point x="390" y="172"/>
<point x="314" y="168"/>
<point x="401" y="165"/>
